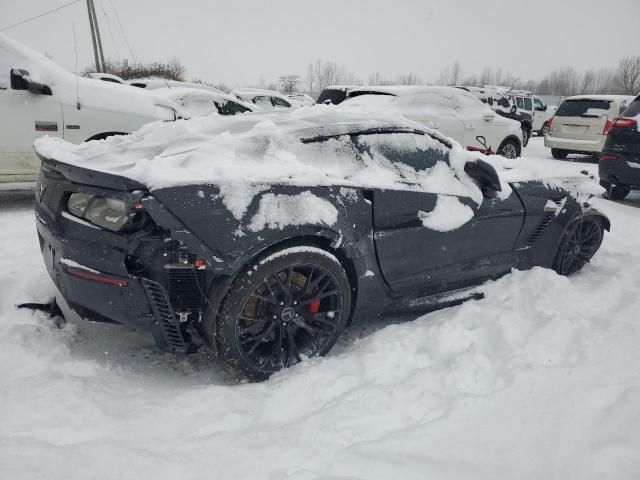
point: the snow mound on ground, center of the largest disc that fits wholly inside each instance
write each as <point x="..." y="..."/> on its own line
<point x="537" y="380"/>
<point x="278" y="211"/>
<point x="448" y="214"/>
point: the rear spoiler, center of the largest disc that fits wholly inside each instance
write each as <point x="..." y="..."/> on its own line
<point x="86" y="176"/>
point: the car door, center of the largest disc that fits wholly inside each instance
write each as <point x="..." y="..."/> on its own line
<point x="539" y="114"/>
<point x="418" y="245"/>
<point x="25" y="117"/>
<point x="437" y="110"/>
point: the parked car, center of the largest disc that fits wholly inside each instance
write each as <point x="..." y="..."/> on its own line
<point x="301" y="98"/>
<point x="582" y="122"/>
<point x="619" y="164"/>
<point x="454" y="112"/>
<point x="265" y="99"/>
<point x="198" y="103"/>
<point x="155" y="83"/>
<point x="38" y="97"/>
<point x="106" y="77"/>
<point x="266" y="250"/>
<point x="335" y="94"/>
<point x="520" y="105"/>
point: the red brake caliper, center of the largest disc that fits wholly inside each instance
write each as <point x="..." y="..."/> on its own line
<point x="314" y="306"/>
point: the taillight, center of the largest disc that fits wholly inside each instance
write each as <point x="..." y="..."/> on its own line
<point x="607" y="126"/>
<point x="606" y="156"/>
<point x="624" y="122"/>
<point x="550" y="121"/>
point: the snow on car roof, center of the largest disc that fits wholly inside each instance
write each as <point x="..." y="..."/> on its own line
<point x="612" y="98"/>
<point x="256" y="92"/>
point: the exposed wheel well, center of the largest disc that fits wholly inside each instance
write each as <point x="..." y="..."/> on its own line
<point x="103" y="135"/>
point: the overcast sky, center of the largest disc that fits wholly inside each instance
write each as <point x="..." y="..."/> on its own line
<point x="238" y="41"/>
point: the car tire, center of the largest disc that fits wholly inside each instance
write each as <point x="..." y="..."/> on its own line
<point x="559" y="154"/>
<point x="544" y="130"/>
<point x="581" y="242"/>
<point x="526" y="134"/>
<point x="615" y="192"/>
<point x="290" y="304"/>
<point x="509" y="148"/>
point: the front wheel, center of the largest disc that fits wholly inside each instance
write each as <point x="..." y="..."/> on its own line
<point x="544" y="130"/>
<point x="509" y="148"/>
<point x="580" y="244"/>
<point x="526" y="133"/>
<point x="292" y="304"/>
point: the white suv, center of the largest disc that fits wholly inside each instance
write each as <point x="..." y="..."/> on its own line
<point x="581" y="123"/>
<point x="38" y="97"/>
<point x="456" y="113"/>
<point x="265" y="99"/>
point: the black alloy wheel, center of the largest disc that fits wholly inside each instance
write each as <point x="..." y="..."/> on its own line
<point x="285" y="308"/>
<point x="581" y="243"/>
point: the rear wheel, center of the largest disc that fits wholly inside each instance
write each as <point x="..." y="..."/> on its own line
<point x="289" y="305"/>
<point x="615" y="192"/>
<point x="509" y="148"/>
<point x="526" y="133"/>
<point x="544" y="130"/>
<point x="559" y="154"/>
<point x="581" y="242"/>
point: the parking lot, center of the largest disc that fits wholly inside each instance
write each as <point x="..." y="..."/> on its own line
<point x="418" y="390"/>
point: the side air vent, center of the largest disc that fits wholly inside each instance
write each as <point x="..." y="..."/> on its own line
<point x="540" y="229"/>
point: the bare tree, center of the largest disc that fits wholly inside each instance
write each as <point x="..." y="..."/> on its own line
<point x="628" y="75"/>
<point x="451" y="75"/>
<point x="289" y="83"/>
<point x="172" y="70"/>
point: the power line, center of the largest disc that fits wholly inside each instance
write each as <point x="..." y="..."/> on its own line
<point x="38" y="16"/>
<point x="124" y="35"/>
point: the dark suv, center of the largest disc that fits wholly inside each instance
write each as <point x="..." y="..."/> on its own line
<point x="620" y="158"/>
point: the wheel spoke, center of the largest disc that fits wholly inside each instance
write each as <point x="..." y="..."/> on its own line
<point x="292" y="347"/>
<point x="264" y="299"/>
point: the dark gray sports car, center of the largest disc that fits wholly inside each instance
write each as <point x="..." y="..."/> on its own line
<point x="263" y="239"/>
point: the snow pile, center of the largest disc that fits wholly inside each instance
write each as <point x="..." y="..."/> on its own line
<point x="537" y="380"/>
<point x="278" y="211"/>
<point x="448" y="214"/>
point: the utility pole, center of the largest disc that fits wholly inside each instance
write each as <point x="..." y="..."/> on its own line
<point x="95" y="37"/>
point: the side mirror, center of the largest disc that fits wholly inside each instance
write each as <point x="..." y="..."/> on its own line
<point x="544" y="108"/>
<point x="20" y="80"/>
<point x="485" y="175"/>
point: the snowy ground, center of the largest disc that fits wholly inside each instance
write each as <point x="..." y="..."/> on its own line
<point x="538" y="380"/>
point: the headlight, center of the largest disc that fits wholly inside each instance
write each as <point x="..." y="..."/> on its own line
<point x="109" y="213"/>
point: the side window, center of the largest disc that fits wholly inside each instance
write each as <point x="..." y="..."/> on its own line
<point x="520" y="102"/>
<point x="527" y="104"/>
<point x="280" y="103"/>
<point x="416" y="151"/>
<point x="263" y="102"/>
<point x="538" y="105"/>
<point x="230" y="108"/>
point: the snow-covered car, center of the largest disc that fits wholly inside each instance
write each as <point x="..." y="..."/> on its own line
<point x="196" y="103"/>
<point x="106" y="77"/>
<point x="335" y="94"/>
<point x="301" y="98"/>
<point x="265" y="99"/>
<point x="263" y="236"/>
<point x="582" y="122"/>
<point x="454" y="112"/>
<point x="38" y="97"/>
<point x="155" y="83"/>
<point x="520" y="105"/>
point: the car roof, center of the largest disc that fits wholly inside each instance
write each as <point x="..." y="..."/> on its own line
<point x="612" y="98"/>
<point x="402" y="90"/>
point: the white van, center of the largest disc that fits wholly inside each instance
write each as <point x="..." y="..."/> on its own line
<point x="581" y="123"/>
<point x="38" y="97"/>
